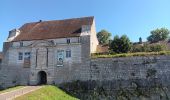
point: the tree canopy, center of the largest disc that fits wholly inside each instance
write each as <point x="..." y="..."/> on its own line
<point x="158" y="35"/>
<point x="120" y="44"/>
<point x="103" y="37"/>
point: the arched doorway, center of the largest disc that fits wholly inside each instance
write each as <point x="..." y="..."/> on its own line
<point x="42" y="78"/>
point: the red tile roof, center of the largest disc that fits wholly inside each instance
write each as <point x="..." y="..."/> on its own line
<point x="53" y="29"/>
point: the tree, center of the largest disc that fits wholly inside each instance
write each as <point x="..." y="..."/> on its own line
<point x="120" y="44"/>
<point x="103" y="37"/>
<point x="158" y="35"/>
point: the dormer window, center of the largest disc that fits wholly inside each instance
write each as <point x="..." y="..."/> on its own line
<point x="68" y="41"/>
<point x="21" y="44"/>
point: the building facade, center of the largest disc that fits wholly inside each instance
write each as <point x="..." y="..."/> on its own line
<point x="48" y="52"/>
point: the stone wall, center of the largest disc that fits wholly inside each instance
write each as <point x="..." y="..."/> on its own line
<point x="130" y="68"/>
<point x="128" y="78"/>
<point x="124" y="71"/>
<point x="115" y="70"/>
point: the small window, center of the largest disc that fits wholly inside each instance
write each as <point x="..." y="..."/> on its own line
<point x="68" y="41"/>
<point x="20" y="56"/>
<point x="78" y="39"/>
<point x="68" y="53"/>
<point x="27" y="55"/>
<point x="21" y="44"/>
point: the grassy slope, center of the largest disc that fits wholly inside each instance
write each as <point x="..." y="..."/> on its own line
<point x="11" y="89"/>
<point x="47" y="93"/>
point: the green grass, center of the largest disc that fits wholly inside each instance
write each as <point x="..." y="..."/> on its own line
<point x="11" y="89"/>
<point x="130" y="54"/>
<point x="47" y="93"/>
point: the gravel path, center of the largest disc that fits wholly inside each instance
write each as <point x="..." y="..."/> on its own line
<point x="18" y="92"/>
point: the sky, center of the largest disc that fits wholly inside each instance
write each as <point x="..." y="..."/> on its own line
<point x="135" y="18"/>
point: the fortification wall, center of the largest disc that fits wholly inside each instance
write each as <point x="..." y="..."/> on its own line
<point x="131" y="78"/>
<point x="130" y="68"/>
<point x="112" y="71"/>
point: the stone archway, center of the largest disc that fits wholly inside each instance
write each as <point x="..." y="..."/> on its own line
<point x="42" y="78"/>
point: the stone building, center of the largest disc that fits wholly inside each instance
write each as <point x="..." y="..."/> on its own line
<point x="49" y="52"/>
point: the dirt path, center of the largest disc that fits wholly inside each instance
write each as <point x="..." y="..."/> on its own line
<point x="18" y="92"/>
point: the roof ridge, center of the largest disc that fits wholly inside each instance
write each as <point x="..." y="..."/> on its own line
<point x="62" y="19"/>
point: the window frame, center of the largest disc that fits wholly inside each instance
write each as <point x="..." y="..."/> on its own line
<point x="21" y="44"/>
<point x="68" y="54"/>
<point x="68" y="41"/>
<point x="20" y="56"/>
<point x="27" y="55"/>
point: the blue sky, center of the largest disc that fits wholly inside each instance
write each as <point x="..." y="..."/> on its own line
<point x="135" y="18"/>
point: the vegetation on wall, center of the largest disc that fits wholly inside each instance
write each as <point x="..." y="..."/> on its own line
<point x="95" y="90"/>
<point x="129" y="54"/>
<point x="149" y="48"/>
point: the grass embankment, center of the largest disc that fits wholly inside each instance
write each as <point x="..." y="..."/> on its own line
<point x="130" y="54"/>
<point x="47" y="93"/>
<point x="11" y="89"/>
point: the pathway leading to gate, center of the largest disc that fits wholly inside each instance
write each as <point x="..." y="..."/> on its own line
<point x="16" y="93"/>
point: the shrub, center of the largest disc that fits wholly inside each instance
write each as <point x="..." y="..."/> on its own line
<point x="120" y="44"/>
<point x="149" y="48"/>
<point x="157" y="47"/>
<point x="140" y="48"/>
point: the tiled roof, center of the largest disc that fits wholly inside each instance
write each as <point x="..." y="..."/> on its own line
<point x="53" y="29"/>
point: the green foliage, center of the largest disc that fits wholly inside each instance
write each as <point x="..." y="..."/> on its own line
<point x="148" y="48"/>
<point x="140" y="48"/>
<point x="158" y="47"/>
<point x="158" y="35"/>
<point x="120" y="45"/>
<point x="130" y="54"/>
<point x="103" y="37"/>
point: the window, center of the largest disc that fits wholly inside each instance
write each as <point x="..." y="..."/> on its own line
<point x="68" y="41"/>
<point x="20" y="56"/>
<point x="68" y="53"/>
<point x="27" y="55"/>
<point x="21" y="44"/>
<point x="78" y="39"/>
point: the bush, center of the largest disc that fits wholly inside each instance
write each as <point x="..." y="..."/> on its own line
<point x="157" y="47"/>
<point x="140" y="48"/>
<point x="131" y="54"/>
<point x="148" y="48"/>
<point x="120" y="44"/>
